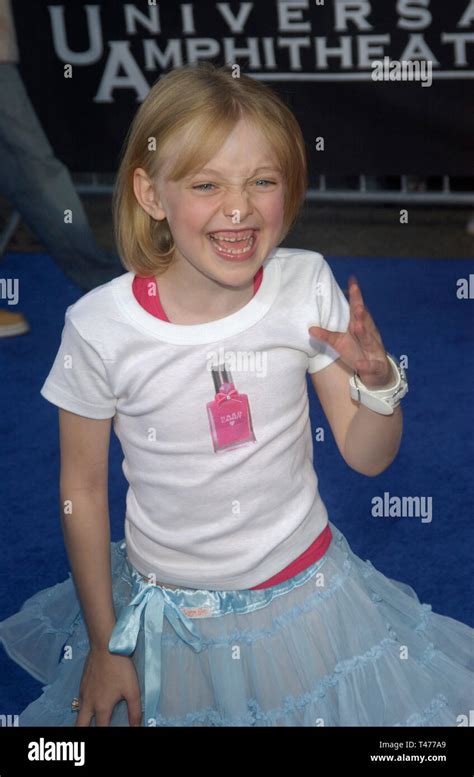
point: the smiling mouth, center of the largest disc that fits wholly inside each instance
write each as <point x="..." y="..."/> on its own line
<point x="234" y="243"/>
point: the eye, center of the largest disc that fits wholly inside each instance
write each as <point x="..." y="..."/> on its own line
<point x="201" y="185"/>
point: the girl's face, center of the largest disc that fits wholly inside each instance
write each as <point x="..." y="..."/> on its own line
<point x="238" y="194"/>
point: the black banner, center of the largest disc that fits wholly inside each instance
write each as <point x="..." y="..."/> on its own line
<point x="378" y="86"/>
<point x="418" y="750"/>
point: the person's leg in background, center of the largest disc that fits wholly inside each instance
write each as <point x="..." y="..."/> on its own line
<point x="40" y="187"/>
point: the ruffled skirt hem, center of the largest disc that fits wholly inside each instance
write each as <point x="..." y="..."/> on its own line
<point x="340" y="644"/>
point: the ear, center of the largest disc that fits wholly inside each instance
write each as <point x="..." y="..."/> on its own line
<point x="146" y="194"/>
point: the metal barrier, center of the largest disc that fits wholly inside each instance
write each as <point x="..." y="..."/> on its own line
<point x="446" y="195"/>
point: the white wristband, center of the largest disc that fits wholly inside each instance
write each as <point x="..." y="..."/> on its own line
<point x="380" y="400"/>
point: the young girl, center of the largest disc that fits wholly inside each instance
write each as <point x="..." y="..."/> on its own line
<point x="233" y="600"/>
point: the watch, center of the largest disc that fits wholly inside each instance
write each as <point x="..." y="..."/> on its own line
<point x="380" y="400"/>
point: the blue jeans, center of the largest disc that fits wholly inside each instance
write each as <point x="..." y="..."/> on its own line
<point x="40" y="187"/>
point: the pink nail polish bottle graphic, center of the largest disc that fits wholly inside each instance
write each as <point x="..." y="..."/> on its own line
<point x="229" y="413"/>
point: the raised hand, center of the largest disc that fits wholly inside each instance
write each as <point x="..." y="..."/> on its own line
<point x="361" y="347"/>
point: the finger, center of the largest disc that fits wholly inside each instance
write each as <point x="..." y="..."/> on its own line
<point x="84" y="716"/>
<point x="355" y="293"/>
<point x="361" y="313"/>
<point x="366" y="318"/>
<point x="357" y="309"/>
<point x="134" y="709"/>
<point x="361" y="330"/>
<point x="356" y="298"/>
<point x="102" y="717"/>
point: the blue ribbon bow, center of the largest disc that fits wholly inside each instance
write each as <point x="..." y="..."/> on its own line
<point x="154" y="602"/>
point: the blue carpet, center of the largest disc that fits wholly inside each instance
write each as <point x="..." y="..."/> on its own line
<point x="415" y="307"/>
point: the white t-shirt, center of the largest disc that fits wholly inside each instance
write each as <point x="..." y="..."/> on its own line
<point x="222" y="489"/>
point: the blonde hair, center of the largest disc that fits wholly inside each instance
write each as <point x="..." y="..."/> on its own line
<point x="198" y="106"/>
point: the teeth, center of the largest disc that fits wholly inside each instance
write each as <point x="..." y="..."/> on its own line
<point x="232" y="239"/>
<point x="236" y="251"/>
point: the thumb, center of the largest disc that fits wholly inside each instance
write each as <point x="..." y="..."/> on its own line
<point x="323" y="334"/>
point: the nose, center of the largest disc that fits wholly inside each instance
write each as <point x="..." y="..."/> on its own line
<point x="238" y="204"/>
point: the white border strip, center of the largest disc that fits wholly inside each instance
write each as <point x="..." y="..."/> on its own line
<point x="365" y="76"/>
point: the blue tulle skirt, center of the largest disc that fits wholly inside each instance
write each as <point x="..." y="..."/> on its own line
<point x="339" y="644"/>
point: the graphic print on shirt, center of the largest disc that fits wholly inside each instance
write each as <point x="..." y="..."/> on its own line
<point x="229" y="415"/>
